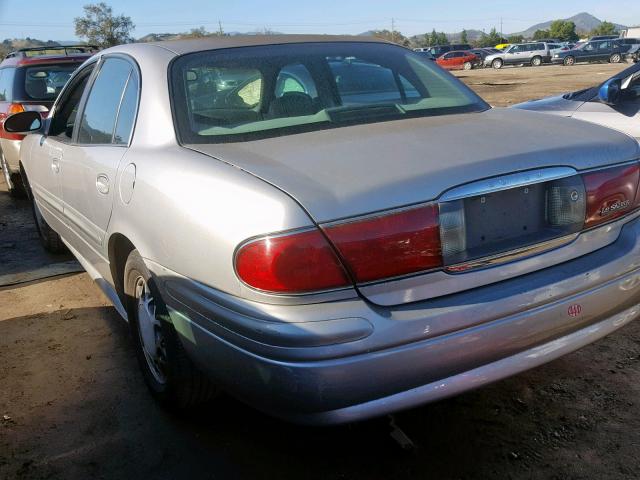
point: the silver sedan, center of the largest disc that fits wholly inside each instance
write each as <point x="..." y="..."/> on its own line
<point x="331" y="228"/>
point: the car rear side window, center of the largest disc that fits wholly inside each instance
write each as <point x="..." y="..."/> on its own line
<point x="6" y="84"/>
<point x="101" y="109"/>
<point x="44" y="82"/>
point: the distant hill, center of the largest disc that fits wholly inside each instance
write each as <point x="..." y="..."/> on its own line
<point x="12" y="44"/>
<point x="585" y="22"/>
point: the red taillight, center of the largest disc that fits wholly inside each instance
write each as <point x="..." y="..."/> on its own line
<point x="389" y="245"/>
<point x="293" y="263"/>
<point x="611" y="193"/>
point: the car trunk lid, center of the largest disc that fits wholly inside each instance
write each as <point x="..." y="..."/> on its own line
<point x="348" y="172"/>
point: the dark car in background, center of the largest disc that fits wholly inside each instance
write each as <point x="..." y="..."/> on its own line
<point x="438" y="50"/>
<point x="603" y="37"/>
<point x="30" y="80"/>
<point x="612" y="51"/>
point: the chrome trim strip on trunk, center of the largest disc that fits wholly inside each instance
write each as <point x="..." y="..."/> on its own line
<point x="512" y="255"/>
<point x="506" y="182"/>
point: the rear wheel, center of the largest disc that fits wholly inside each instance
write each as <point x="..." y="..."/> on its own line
<point x="497" y="63"/>
<point x="536" y="61"/>
<point x="13" y="181"/>
<point x="568" y="61"/>
<point x="615" y="58"/>
<point x="169" y="374"/>
<point x="467" y="65"/>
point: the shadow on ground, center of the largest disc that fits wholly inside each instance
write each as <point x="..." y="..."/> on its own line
<point x="78" y="409"/>
<point x="22" y="257"/>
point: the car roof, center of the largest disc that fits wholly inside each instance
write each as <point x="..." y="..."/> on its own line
<point x="44" y="60"/>
<point x="180" y="47"/>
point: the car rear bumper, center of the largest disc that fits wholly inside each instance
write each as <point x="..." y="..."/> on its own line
<point x="344" y="361"/>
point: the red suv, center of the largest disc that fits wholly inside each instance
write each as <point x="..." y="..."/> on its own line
<point x="459" y="59"/>
<point x="30" y="79"/>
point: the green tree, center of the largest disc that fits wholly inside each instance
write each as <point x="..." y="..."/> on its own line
<point x="605" y="28"/>
<point x="563" y="30"/>
<point x="101" y="27"/>
<point x="540" y="34"/>
<point x="442" y="39"/>
<point x="395" y="37"/>
<point x="490" y="40"/>
<point x="515" y="39"/>
<point x="196" y="33"/>
<point x="463" y="37"/>
<point x="433" y="39"/>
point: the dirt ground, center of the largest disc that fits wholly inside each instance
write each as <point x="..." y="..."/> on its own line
<point x="511" y="85"/>
<point x="73" y="404"/>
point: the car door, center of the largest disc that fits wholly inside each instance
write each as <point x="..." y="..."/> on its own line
<point x="604" y="50"/>
<point x="90" y="162"/>
<point x="44" y="167"/>
<point x="588" y="52"/>
<point x="512" y="55"/>
<point x="447" y="60"/>
<point x="624" y="116"/>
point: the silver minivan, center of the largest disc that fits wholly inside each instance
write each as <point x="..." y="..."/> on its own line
<point x="534" y="53"/>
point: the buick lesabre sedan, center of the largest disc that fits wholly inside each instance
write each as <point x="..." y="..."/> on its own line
<point x="331" y="228"/>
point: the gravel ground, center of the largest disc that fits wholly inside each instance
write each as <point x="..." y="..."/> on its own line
<point x="73" y="405"/>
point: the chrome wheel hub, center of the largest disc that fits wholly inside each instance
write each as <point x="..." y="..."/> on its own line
<point x="150" y="331"/>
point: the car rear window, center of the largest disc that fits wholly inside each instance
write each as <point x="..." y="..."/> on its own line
<point x="256" y="92"/>
<point x="44" y="82"/>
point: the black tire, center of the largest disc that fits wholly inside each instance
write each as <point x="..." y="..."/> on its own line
<point x="569" y="61"/>
<point x="183" y="384"/>
<point x="536" y="61"/>
<point x="497" y="63"/>
<point x="615" y="58"/>
<point x="49" y="238"/>
<point x="12" y="179"/>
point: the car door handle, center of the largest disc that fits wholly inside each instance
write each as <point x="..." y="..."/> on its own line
<point x="55" y="165"/>
<point x="102" y="184"/>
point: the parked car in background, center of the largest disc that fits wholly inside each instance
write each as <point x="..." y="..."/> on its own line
<point x="560" y="47"/>
<point x="438" y="50"/>
<point x="457" y="60"/>
<point x="533" y="53"/>
<point x="481" y="54"/>
<point x="615" y="103"/>
<point x="629" y="41"/>
<point x="290" y="238"/>
<point x="633" y="54"/>
<point x="30" y="80"/>
<point x="426" y="54"/>
<point x="603" y="37"/>
<point x="612" y="51"/>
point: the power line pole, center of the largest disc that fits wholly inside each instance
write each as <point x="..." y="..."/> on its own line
<point x="220" y="31"/>
<point x="393" y="29"/>
<point x="501" y="34"/>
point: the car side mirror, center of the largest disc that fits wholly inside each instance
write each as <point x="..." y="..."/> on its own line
<point x="609" y="92"/>
<point x="23" y="122"/>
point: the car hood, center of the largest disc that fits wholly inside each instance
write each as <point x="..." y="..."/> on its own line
<point x="557" y="105"/>
<point x="343" y="172"/>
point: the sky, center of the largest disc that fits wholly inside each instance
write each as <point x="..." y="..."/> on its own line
<point x="53" y="20"/>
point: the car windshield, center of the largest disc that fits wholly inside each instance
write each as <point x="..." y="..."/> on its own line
<point x="257" y="92"/>
<point x="44" y="82"/>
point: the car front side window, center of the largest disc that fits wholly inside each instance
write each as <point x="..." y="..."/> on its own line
<point x="63" y="123"/>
